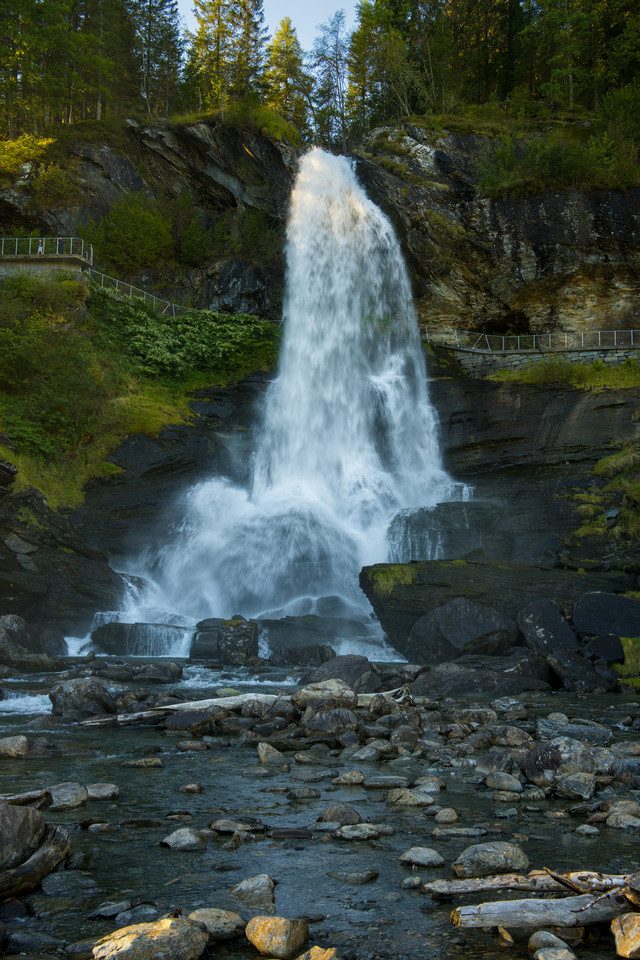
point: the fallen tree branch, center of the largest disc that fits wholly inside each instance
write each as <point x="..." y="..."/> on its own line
<point x="28" y="875"/>
<point x="537" y="881"/>
<point x="566" y="912"/>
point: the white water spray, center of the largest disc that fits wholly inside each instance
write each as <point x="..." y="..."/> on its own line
<point x="348" y="439"/>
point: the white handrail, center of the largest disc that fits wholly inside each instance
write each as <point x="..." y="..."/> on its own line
<point x="46" y="246"/>
<point x="532" y="342"/>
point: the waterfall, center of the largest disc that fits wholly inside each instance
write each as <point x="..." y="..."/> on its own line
<point x="347" y="440"/>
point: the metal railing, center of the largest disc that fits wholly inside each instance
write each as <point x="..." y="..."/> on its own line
<point x="127" y="290"/>
<point x="46" y="246"/>
<point x="534" y="342"/>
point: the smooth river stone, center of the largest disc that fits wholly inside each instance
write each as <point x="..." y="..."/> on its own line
<point x="483" y="859"/>
<point x="277" y="936"/>
<point x="221" y="924"/>
<point x="170" y="939"/>
<point x="358" y="831"/>
<point x="386" y="782"/>
<point x="422" y="857"/>
<point x="68" y="795"/>
<point x="103" y="791"/>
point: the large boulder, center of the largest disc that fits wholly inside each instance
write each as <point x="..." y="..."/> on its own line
<point x="238" y="641"/>
<point x="21" y="833"/>
<point x="494" y="676"/>
<point x="556" y="758"/>
<point x="277" y="936"/>
<point x="544" y="628"/>
<point x="576" y="673"/>
<point x="354" y="670"/>
<point x="82" y="698"/>
<point x="22" y="647"/>
<point x="484" y="859"/>
<point x="169" y="939"/>
<point x="457" y="628"/>
<point x="401" y="593"/>
<point x="599" y="613"/>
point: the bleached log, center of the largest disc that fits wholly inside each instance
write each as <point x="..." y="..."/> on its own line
<point x="28" y="875"/>
<point x="124" y="718"/>
<point x="565" y="912"/>
<point x="537" y="881"/>
<point x="265" y="700"/>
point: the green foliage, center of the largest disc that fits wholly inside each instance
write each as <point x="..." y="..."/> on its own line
<point x="247" y="232"/>
<point x="621" y="111"/>
<point x="520" y="167"/>
<point x="134" y="234"/>
<point x="196" y="244"/>
<point x="25" y="149"/>
<point x="559" y="371"/>
<point x="54" y="186"/>
<point x="77" y="376"/>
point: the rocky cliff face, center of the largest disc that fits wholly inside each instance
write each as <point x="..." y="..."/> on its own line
<point x="222" y="167"/>
<point x="558" y="261"/>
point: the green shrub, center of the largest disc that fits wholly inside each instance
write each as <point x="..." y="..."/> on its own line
<point x="246" y="232"/>
<point x="26" y="149"/>
<point x="195" y="245"/>
<point x="54" y="186"/>
<point x="134" y="234"/>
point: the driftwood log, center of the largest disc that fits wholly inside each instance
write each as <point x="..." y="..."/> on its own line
<point x="536" y="881"/>
<point x="28" y="875"/>
<point x="533" y="912"/>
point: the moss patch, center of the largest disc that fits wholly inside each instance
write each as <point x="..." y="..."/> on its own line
<point x="384" y="577"/>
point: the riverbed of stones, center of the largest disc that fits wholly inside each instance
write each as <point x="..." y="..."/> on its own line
<point x="380" y="793"/>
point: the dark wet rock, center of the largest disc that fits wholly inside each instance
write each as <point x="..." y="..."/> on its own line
<point x="65" y="883"/>
<point x="457" y="628"/>
<point x="576" y="786"/>
<point x="308" y="655"/>
<point x="576" y="673"/>
<point x="483" y="859"/>
<point x="33" y="943"/>
<point x="221" y="924"/>
<point x="486" y="676"/>
<point x="238" y="641"/>
<point x="68" y="795"/>
<point x="627" y="769"/>
<point x="544" y="628"/>
<point x="21" y="833"/>
<point x="202" y="722"/>
<point x="560" y="726"/>
<point x="358" y="831"/>
<point x="81" y="698"/>
<point x="204" y="644"/>
<point x="599" y="613"/>
<point x="258" y="893"/>
<point x="162" y="672"/>
<point x="22" y="647"/>
<point x="606" y="648"/>
<point x="354" y="670"/>
<point x="57" y="579"/>
<point x="330" y="723"/>
<point x="548" y="761"/>
<point x="8" y="473"/>
<point x="141" y="913"/>
<point x="340" y="813"/>
<point x="138" y="639"/>
<point x="401" y="593"/>
<point x="354" y="877"/>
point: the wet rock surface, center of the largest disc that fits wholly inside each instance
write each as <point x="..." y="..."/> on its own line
<point x="499" y="782"/>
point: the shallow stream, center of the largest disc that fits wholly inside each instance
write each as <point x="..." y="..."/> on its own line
<point x="379" y="919"/>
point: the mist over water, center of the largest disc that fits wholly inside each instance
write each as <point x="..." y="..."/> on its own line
<point x="348" y="438"/>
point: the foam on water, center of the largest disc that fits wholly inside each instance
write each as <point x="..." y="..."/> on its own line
<point x="14" y="703"/>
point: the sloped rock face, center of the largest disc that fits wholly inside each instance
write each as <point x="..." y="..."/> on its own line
<point x="48" y="574"/>
<point x="220" y="166"/>
<point x="564" y="261"/>
<point x="402" y="593"/>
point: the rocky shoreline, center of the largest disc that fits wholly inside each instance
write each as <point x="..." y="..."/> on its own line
<point x="370" y="792"/>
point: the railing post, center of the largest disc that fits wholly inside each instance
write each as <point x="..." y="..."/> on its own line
<point x="503" y="344"/>
<point x="599" y="338"/>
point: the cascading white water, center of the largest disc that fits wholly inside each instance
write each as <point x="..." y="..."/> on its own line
<point x="348" y="438"/>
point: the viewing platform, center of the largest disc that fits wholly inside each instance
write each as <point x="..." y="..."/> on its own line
<point x="44" y="254"/>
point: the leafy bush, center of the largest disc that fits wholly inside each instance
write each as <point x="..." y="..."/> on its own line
<point x="196" y="244"/>
<point x="246" y="232"/>
<point x="54" y="186"/>
<point x="621" y="111"/>
<point x="558" y="371"/>
<point x="134" y="234"/>
<point x="519" y="167"/>
<point x="14" y="153"/>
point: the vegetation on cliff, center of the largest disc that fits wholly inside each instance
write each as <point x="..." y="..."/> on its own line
<point x="80" y="370"/>
<point x="587" y="376"/>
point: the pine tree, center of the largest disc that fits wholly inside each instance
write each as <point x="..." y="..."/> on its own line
<point x="330" y="61"/>
<point x="288" y="85"/>
<point x="159" y="45"/>
<point x="211" y="51"/>
<point x="248" y="42"/>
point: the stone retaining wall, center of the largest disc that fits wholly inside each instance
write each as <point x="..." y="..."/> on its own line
<point x="44" y="264"/>
<point x="480" y="363"/>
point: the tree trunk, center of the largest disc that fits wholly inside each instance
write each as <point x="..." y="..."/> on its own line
<point x="567" y="912"/>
